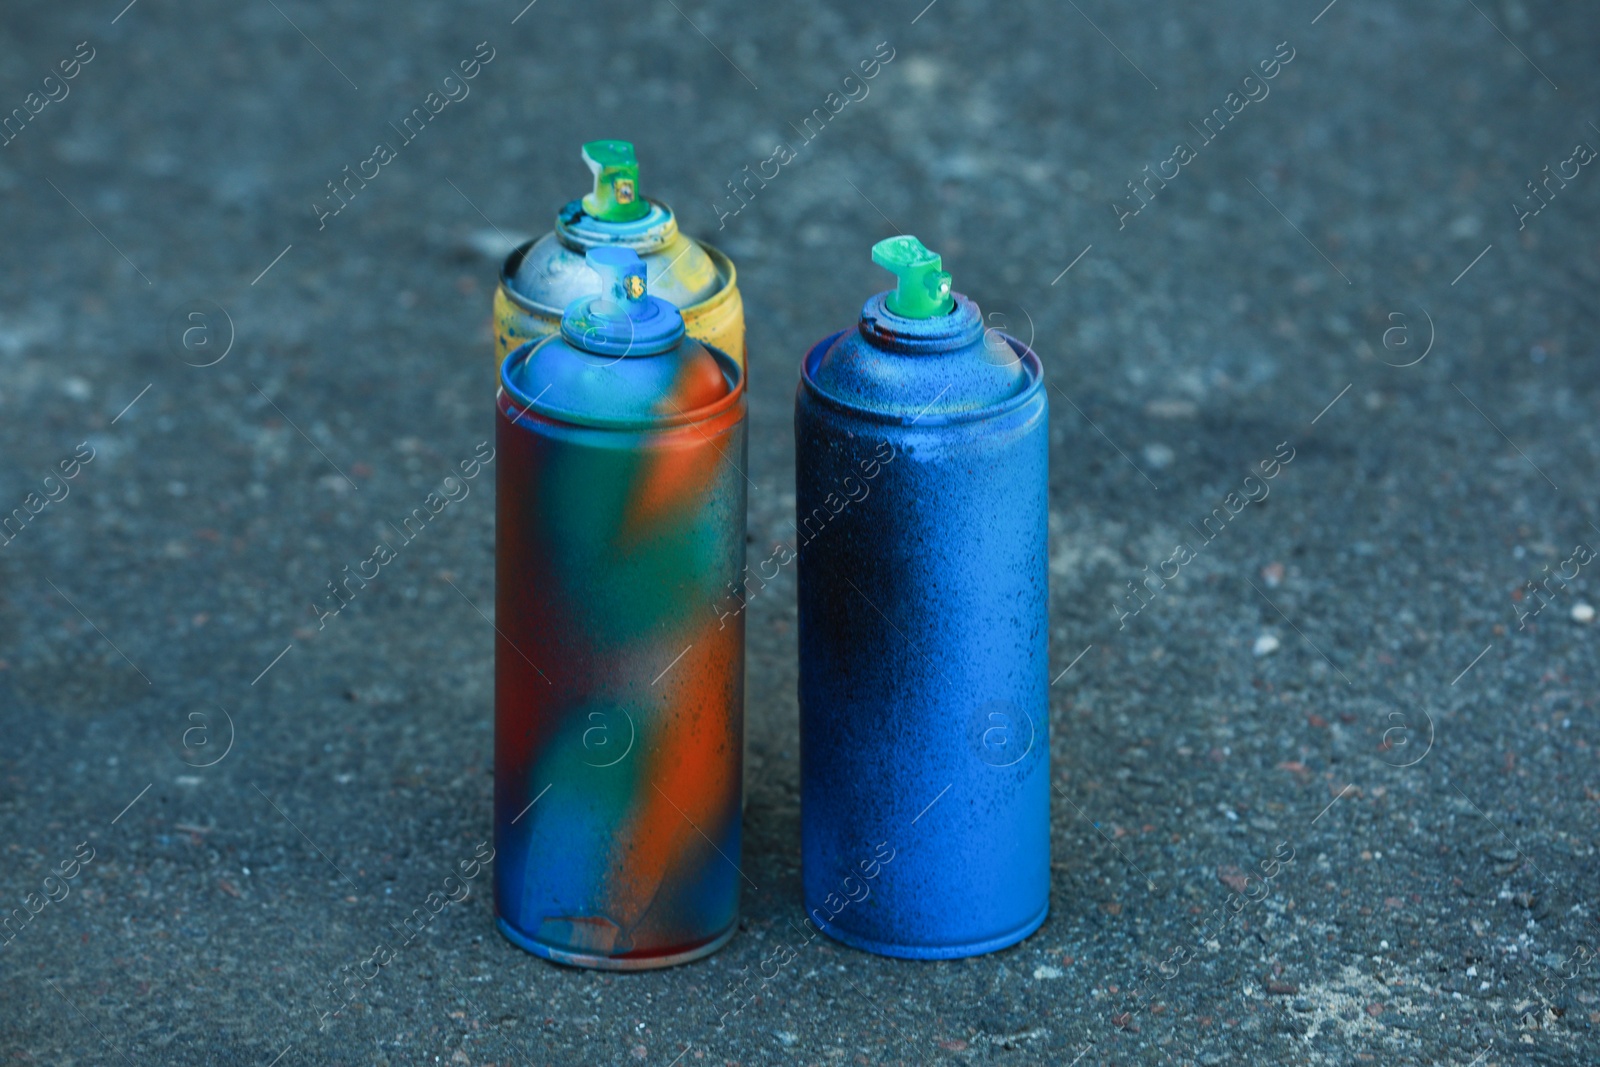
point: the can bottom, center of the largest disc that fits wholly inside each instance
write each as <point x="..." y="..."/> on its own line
<point x="937" y="952"/>
<point x="613" y="963"/>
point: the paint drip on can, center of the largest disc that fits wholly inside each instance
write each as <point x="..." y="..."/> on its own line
<point x="541" y="278"/>
<point x="619" y="692"/>
<point x="921" y="485"/>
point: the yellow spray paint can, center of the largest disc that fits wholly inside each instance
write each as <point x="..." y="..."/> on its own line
<point x="540" y="278"/>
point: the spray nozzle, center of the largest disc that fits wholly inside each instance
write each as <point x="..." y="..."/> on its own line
<point x="622" y="319"/>
<point x="616" y="182"/>
<point x="923" y="290"/>
<point x="623" y="293"/>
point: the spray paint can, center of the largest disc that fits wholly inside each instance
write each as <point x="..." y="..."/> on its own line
<point x="541" y="278"/>
<point x="619" y="690"/>
<point x="921" y="480"/>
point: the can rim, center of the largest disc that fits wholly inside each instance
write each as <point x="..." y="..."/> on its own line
<point x="1029" y="359"/>
<point x="649" y="232"/>
<point x="593" y="961"/>
<point x="509" y="395"/>
<point x="726" y="271"/>
<point x="892" y="332"/>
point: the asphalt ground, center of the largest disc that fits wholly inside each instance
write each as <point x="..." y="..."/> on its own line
<point x="1346" y="693"/>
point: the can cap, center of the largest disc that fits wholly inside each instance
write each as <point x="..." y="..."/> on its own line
<point x="616" y="182"/>
<point x="923" y="289"/>
<point x="622" y="318"/>
<point x="622" y="359"/>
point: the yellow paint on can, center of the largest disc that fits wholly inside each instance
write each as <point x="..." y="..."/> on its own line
<point x="718" y="320"/>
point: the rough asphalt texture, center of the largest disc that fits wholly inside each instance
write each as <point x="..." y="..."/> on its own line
<point x="1429" y="763"/>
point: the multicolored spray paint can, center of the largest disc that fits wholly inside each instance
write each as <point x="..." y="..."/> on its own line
<point x="921" y="480"/>
<point x="619" y="690"/>
<point x="541" y="278"/>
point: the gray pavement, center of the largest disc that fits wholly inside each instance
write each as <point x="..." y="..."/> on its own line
<point x="1345" y="692"/>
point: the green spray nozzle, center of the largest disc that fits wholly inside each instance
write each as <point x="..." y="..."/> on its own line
<point x="616" y="182"/>
<point x="923" y="290"/>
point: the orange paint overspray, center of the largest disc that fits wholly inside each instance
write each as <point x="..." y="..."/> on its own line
<point x="691" y="779"/>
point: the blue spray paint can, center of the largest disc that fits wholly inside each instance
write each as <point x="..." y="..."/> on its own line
<point x="921" y="482"/>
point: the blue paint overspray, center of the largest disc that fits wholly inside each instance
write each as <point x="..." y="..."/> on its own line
<point x="921" y="482"/>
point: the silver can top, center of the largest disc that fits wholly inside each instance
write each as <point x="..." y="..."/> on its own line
<point x="552" y="272"/>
